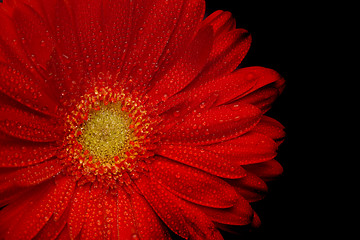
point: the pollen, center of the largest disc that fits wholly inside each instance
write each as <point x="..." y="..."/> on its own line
<point x="106" y="134"/>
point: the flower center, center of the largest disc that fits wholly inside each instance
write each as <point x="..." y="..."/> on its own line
<point x="106" y="133"/>
<point x="109" y="136"/>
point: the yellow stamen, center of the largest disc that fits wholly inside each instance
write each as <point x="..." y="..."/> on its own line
<point x="106" y="133"/>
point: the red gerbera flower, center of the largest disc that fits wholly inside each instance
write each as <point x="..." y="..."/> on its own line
<point x="127" y="119"/>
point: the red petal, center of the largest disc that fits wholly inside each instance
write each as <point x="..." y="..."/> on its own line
<point x="52" y="228"/>
<point x="256" y="221"/>
<point x="240" y="83"/>
<point x="221" y="89"/>
<point x="34" y="32"/>
<point x="5" y="138"/>
<point x="193" y="185"/>
<point x="110" y="228"/>
<point x="107" y="214"/>
<point x="37" y="214"/>
<point x="243" y="82"/>
<point x="225" y="44"/>
<point x="262" y="98"/>
<point x="251" y="187"/>
<point x="192" y="13"/>
<point x="22" y="153"/>
<point x="9" y="195"/>
<point x="113" y="217"/>
<point x="28" y="126"/>
<point x="28" y="48"/>
<point x="124" y="225"/>
<point x="46" y="9"/>
<point x="181" y="107"/>
<point x="228" y="51"/>
<point x="165" y="205"/>
<point x="109" y="221"/>
<point x="78" y="210"/>
<point x="261" y="77"/>
<point x="215" y="125"/>
<point x="268" y="87"/>
<point x="172" y="79"/>
<point x="249" y="148"/>
<point x="11" y="213"/>
<point x="35" y="174"/>
<point x="24" y="88"/>
<point x="117" y="27"/>
<point x="65" y="187"/>
<point x="65" y="235"/>
<point x="149" y="225"/>
<point x="271" y="128"/>
<point x="94" y="221"/>
<point x="232" y="85"/>
<point x="179" y="216"/>
<point x="11" y="49"/>
<point x="153" y="23"/>
<point x="266" y="170"/>
<point x="240" y="214"/>
<point x="202" y="159"/>
<point x="68" y="63"/>
<point x="88" y="19"/>
<point x="221" y="22"/>
<point x="199" y="224"/>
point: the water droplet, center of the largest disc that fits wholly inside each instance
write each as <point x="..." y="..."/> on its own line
<point x="65" y="59"/>
<point x="135" y="236"/>
<point x="235" y="107"/>
<point x="164" y="97"/>
<point x="176" y="113"/>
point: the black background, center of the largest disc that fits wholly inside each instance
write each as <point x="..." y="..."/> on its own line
<point x="282" y="37"/>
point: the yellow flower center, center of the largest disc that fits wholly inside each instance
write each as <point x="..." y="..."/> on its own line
<point x="106" y="134"/>
<point x="109" y="136"/>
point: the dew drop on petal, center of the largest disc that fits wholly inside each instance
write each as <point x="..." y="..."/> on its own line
<point x="135" y="236"/>
<point x="176" y="113"/>
<point x="164" y="97"/>
<point x="235" y="107"/>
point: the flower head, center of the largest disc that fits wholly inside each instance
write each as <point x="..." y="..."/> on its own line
<point x="129" y="119"/>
